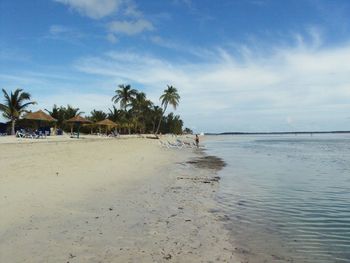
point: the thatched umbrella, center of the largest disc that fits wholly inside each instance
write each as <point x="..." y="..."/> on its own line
<point x="39" y="116"/>
<point x="78" y="120"/>
<point x="108" y="123"/>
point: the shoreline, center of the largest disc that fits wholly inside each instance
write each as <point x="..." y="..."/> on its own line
<point x="111" y="201"/>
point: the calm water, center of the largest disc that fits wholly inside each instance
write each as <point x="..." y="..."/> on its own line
<point x="287" y="197"/>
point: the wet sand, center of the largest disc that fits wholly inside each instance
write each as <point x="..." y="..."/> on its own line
<point x="109" y="200"/>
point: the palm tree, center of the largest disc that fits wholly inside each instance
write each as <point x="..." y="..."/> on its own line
<point x="97" y="115"/>
<point x="15" y="105"/>
<point x="124" y="95"/>
<point x="140" y="109"/>
<point x="156" y="113"/>
<point x="62" y="114"/>
<point x="115" y="114"/>
<point x="170" y="96"/>
<point x="71" y="112"/>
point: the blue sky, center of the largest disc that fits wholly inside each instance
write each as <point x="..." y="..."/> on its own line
<point x="248" y="65"/>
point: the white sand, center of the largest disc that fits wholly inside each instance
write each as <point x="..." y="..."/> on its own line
<point x="105" y="200"/>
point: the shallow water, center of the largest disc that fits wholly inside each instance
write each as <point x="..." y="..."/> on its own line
<point x="287" y="197"/>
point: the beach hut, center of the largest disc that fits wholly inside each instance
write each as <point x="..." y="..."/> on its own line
<point x="39" y="117"/>
<point x="107" y="123"/>
<point x="78" y="121"/>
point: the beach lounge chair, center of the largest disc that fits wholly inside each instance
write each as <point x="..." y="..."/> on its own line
<point x="114" y="134"/>
<point x="175" y="145"/>
<point x="186" y="143"/>
<point x="163" y="144"/>
<point x="20" y="134"/>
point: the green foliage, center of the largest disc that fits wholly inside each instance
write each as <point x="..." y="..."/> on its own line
<point x="137" y="114"/>
<point x="170" y="96"/>
<point x="97" y="115"/>
<point x="142" y="115"/>
<point x="172" y="124"/>
<point x="62" y="114"/>
<point x="187" y="131"/>
<point x="124" y="95"/>
<point x="15" y="104"/>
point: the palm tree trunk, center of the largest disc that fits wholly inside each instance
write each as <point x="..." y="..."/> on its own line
<point x="153" y="125"/>
<point x="160" y="120"/>
<point x="13" y="123"/>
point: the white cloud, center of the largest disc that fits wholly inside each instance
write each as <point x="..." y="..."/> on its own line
<point x="132" y="10"/>
<point x="112" y="38"/>
<point x="133" y="22"/>
<point x="95" y="9"/>
<point x="66" y="33"/>
<point x="259" y="93"/>
<point x="290" y="88"/>
<point x="130" y="27"/>
<point x="58" y="29"/>
<point x="86" y="102"/>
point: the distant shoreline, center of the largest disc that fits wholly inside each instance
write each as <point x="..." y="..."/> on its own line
<point x="278" y="133"/>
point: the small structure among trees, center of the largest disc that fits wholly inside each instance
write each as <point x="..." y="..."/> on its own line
<point x="135" y="114"/>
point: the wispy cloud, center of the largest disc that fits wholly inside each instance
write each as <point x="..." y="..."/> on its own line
<point x="67" y="34"/>
<point x="64" y="32"/>
<point x="112" y="38"/>
<point x="13" y="54"/>
<point x="296" y="83"/>
<point x="194" y="9"/>
<point x="131" y="9"/>
<point x="95" y="9"/>
<point x="130" y="27"/>
<point x="299" y="88"/>
<point x="130" y="19"/>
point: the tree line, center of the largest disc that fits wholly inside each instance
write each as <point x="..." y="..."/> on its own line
<point x="131" y="110"/>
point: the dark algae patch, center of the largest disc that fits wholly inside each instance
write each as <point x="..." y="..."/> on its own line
<point x="208" y="162"/>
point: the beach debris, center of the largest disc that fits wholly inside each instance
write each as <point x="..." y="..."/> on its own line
<point x="242" y="251"/>
<point x="241" y="202"/>
<point x="167" y="257"/>
<point x="110" y="209"/>
<point x="224" y="218"/>
<point x="71" y="255"/>
<point x="175" y="187"/>
<point x="205" y="180"/>
<point x="188" y="220"/>
<point x="57" y="173"/>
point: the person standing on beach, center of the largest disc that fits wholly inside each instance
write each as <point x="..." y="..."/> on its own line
<point x="197" y="140"/>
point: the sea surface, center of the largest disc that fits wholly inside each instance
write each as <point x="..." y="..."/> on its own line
<point x="287" y="198"/>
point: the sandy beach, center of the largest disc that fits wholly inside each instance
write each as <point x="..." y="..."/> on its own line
<point x="107" y="200"/>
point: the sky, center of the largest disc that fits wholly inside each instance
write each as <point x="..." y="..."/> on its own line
<point x="244" y="65"/>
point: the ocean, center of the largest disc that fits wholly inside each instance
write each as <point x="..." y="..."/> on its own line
<point x="286" y="197"/>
